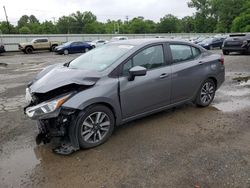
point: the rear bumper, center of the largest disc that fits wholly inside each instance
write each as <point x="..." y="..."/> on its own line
<point x="234" y="49"/>
<point x="220" y="77"/>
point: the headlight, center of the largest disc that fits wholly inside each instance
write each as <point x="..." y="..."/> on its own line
<point x="244" y="43"/>
<point x="46" y="107"/>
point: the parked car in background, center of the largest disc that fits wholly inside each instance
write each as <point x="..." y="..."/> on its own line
<point x="116" y="83"/>
<point x="198" y="39"/>
<point x="38" y="44"/>
<point x="97" y="43"/>
<point x="73" y="47"/>
<point x="2" y="49"/>
<point x="118" y="38"/>
<point x="237" y="43"/>
<point x="211" y="43"/>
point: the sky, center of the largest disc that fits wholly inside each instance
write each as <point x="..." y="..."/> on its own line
<point x="103" y="9"/>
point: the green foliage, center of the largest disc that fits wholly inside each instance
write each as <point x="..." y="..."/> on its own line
<point x="24" y="30"/>
<point x="168" y="24"/>
<point x="241" y="23"/>
<point x="4" y="28"/>
<point x="210" y="16"/>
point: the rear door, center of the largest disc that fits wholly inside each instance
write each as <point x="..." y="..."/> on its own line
<point x="149" y="92"/>
<point x="187" y="71"/>
<point x="44" y="43"/>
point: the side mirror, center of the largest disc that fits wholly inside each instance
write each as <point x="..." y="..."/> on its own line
<point x="136" y="71"/>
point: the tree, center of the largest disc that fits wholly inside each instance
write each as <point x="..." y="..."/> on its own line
<point x="24" y="30"/>
<point x="4" y="28"/>
<point x="226" y="12"/>
<point x="65" y="24"/>
<point x="24" y="20"/>
<point x="138" y="25"/>
<point x="187" y="24"/>
<point x="241" y="23"/>
<point x="48" y="27"/>
<point x="168" y="24"/>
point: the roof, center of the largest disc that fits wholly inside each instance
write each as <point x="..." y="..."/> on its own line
<point x="136" y="42"/>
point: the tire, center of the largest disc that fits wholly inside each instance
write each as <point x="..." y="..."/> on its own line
<point x="29" y="50"/>
<point x="65" y="52"/>
<point x="86" y="50"/>
<point x="90" y="133"/>
<point x="206" y="93"/>
<point x="225" y="52"/>
<point x="52" y="49"/>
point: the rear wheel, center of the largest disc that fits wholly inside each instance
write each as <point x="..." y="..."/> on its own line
<point x="206" y="93"/>
<point x="52" y="49"/>
<point x="29" y="50"/>
<point x="95" y="126"/>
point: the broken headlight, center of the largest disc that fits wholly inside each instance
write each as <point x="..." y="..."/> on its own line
<point x="46" y="107"/>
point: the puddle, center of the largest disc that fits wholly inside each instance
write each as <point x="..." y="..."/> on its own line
<point x="17" y="166"/>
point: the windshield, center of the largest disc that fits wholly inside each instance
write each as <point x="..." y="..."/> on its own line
<point x="67" y="43"/>
<point x="207" y="41"/>
<point x="100" y="58"/>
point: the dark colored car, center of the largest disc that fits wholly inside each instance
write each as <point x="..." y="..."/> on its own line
<point x="2" y="49"/>
<point x="237" y="43"/>
<point x="73" y="47"/>
<point x="83" y="100"/>
<point x="198" y="40"/>
<point x="211" y="43"/>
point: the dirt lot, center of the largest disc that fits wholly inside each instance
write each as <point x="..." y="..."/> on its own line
<point x="181" y="147"/>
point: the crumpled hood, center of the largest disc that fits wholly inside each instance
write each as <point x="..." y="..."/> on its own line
<point x="56" y="76"/>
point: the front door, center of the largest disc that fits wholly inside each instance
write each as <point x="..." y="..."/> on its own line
<point x="149" y="92"/>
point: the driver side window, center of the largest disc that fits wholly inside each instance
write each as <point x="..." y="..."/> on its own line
<point x="149" y="58"/>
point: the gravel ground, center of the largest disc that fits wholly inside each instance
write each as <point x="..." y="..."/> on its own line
<point x="180" y="147"/>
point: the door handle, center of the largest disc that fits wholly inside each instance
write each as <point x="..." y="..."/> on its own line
<point x="164" y="75"/>
<point x="200" y="62"/>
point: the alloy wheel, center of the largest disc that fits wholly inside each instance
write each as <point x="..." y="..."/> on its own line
<point x="207" y="93"/>
<point x="95" y="127"/>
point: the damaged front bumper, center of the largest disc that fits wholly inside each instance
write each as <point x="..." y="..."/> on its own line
<point x="53" y="120"/>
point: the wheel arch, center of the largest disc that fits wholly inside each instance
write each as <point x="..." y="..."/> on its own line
<point x="214" y="80"/>
<point x="29" y="46"/>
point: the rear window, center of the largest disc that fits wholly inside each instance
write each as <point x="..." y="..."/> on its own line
<point x="181" y="52"/>
<point x="237" y="35"/>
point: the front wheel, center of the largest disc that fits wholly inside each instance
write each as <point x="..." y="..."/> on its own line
<point x="65" y="52"/>
<point x="86" y="50"/>
<point x="206" y="93"/>
<point x="95" y="126"/>
<point x="29" y="50"/>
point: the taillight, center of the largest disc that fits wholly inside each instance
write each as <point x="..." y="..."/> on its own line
<point x="222" y="59"/>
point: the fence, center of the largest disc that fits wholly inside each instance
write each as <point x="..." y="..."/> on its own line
<point x="11" y="41"/>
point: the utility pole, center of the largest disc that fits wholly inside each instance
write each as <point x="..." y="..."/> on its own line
<point x="127" y="19"/>
<point x="54" y="20"/>
<point x="6" y="19"/>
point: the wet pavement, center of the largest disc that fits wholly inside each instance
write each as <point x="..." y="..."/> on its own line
<point x="180" y="147"/>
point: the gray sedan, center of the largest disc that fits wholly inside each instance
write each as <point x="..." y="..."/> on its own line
<point x="83" y="100"/>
